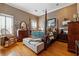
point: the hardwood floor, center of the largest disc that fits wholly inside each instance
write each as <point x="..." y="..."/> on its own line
<point x="55" y="49"/>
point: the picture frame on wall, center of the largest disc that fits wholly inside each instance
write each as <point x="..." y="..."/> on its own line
<point x="51" y="23"/>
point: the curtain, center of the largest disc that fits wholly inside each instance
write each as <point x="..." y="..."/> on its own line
<point x="6" y="25"/>
<point x="33" y="24"/>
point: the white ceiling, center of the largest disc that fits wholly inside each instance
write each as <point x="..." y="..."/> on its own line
<point x="39" y="7"/>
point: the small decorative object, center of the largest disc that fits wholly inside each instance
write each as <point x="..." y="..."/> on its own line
<point x="75" y="17"/>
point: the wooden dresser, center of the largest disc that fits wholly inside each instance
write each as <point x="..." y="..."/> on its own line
<point x="73" y="34"/>
<point x="22" y="34"/>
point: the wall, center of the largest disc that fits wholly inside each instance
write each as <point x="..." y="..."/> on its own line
<point x="60" y="14"/>
<point x="19" y="15"/>
<point x="78" y="7"/>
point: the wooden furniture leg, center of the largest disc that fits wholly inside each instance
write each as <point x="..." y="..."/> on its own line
<point x="77" y="50"/>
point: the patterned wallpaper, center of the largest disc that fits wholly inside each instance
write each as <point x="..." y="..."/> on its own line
<point x="19" y="15"/>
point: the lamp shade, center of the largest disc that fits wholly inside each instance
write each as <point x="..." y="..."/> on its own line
<point x="75" y="16"/>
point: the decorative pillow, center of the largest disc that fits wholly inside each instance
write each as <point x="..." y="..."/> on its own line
<point x="35" y="41"/>
<point x="50" y="33"/>
<point x="37" y="34"/>
<point x="38" y="39"/>
<point x="51" y="37"/>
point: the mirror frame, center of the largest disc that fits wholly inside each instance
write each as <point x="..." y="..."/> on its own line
<point x="21" y="23"/>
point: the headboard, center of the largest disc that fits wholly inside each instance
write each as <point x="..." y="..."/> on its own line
<point x="37" y="34"/>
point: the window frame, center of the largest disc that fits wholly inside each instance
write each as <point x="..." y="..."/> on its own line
<point x="6" y="15"/>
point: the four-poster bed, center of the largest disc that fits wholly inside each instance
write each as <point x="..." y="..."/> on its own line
<point x="49" y="36"/>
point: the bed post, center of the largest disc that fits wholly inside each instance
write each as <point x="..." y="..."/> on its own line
<point x="45" y="21"/>
<point x="29" y="28"/>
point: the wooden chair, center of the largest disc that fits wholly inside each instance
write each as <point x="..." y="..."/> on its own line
<point x="6" y="38"/>
<point x="7" y="41"/>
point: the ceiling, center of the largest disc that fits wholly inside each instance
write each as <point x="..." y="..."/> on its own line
<point x="38" y="9"/>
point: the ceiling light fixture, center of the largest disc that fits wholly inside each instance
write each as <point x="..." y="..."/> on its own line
<point x="36" y="10"/>
<point x="57" y="4"/>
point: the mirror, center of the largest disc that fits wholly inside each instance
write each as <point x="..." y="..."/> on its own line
<point x="23" y="25"/>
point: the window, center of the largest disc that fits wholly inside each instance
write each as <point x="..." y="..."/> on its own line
<point x="6" y="24"/>
<point x="33" y="24"/>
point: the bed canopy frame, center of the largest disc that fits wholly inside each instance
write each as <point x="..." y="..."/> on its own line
<point x="45" y="21"/>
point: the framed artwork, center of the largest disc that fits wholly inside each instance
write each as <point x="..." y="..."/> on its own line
<point x="65" y="22"/>
<point x="51" y="22"/>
